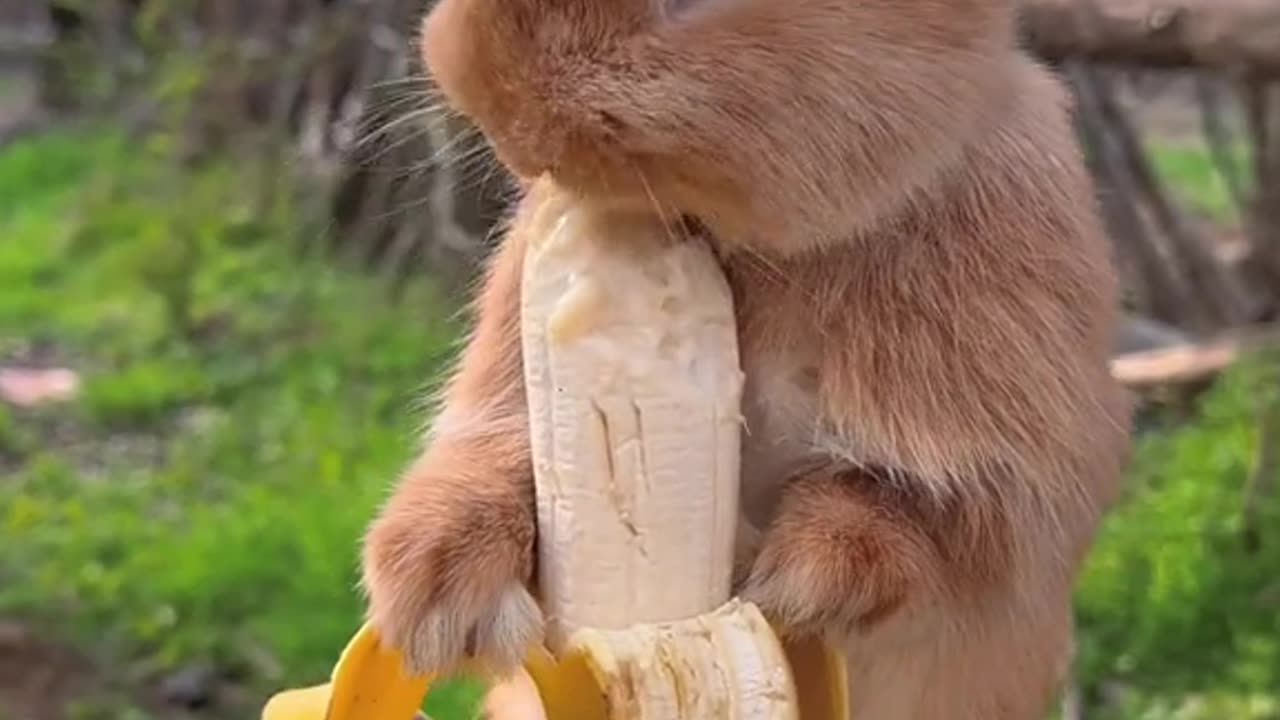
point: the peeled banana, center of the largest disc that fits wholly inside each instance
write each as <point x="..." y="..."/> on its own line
<point x="634" y="392"/>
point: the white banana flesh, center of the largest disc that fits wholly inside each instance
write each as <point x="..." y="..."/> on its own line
<point x="723" y="665"/>
<point x="634" y="390"/>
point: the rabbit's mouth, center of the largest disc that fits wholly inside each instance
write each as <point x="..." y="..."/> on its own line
<point x="691" y="226"/>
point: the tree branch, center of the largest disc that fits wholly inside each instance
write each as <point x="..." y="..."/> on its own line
<point x="1223" y="34"/>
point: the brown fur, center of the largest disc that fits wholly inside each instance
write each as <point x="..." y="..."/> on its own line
<point x="925" y="305"/>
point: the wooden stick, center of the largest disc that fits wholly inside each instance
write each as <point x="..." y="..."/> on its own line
<point x="1191" y="362"/>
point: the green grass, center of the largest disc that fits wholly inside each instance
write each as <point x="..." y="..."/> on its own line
<point x="245" y="410"/>
<point x="243" y="413"/>
<point x="1173" y="604"/>
<point x="1190" y="172"/>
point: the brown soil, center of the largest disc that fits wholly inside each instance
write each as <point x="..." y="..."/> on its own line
<point x="38" y="678"/>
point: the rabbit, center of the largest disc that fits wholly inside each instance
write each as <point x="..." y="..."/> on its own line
<point x="925" y="301"/>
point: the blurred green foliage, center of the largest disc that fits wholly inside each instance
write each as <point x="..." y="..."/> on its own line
<point x="245" y="408"/>
<point x="1174" y="606"/>
<point x="1197" y="182"/>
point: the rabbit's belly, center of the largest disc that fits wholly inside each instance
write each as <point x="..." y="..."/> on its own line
<point x="779" y="438"/>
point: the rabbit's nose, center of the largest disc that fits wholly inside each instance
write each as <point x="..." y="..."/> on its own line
<point x="528" y="159"/>
<point x="522" y="164"/>
<point x="533" y="148"/>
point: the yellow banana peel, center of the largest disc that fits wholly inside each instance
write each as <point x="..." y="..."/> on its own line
<point x="822" y="686"/>
<point x="369" y="683"/>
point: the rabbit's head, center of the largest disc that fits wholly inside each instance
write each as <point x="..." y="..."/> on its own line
<point x="761" y="118"/>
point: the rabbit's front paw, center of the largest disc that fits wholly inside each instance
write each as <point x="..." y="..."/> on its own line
<point x="446" y="580"/>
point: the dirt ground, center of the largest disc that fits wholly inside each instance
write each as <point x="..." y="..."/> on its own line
<point x="43" y="680"/>
<point x="37" y="678"/>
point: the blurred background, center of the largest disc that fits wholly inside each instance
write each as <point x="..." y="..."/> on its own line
<point x="234" y="242"/>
